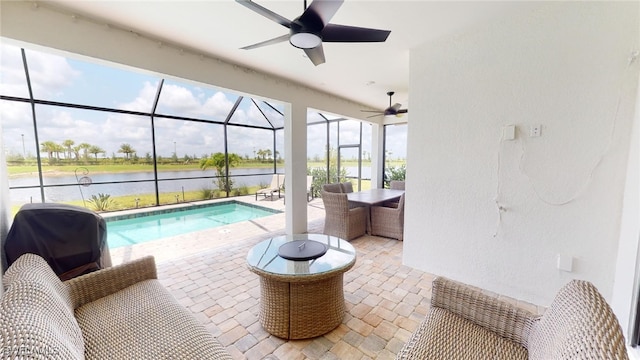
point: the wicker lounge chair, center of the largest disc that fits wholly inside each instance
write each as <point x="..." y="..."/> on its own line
<point x="277" y="182"/>
<point x="388" y="221"/>
<point x="464" y="323"/>
<point x="340" y="220"/>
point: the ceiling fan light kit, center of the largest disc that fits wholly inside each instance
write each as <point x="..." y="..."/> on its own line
<point x="312" y="28"/>
<point x="305" y="40"/>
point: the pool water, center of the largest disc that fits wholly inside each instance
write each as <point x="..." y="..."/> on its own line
<point x="159" y="225"/>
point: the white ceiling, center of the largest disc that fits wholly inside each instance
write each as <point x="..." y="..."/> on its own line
<point x="362" y="72"/>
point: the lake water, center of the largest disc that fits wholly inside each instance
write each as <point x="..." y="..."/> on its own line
<point x="68" y="190"/>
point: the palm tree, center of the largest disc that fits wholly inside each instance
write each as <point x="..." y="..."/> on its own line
<point x="85" y="147"/>
<point x="95" y="150"/>
<point x="218" y="161"/>
<point x="57" y="148"/>
<point x="69" y="145"/>
<point x="126" y="149"/>
<point x="48" y="147"/>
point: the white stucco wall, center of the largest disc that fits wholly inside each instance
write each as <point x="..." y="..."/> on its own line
<point x="627" y="279"/>
<point x="564" y="67"/>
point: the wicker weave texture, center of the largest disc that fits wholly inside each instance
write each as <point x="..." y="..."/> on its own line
<point x="340" y="221"/>
<point x="446" y="336"/>
<point x="495" y="315"/>
<point x="396" y="185"/>
<point x="302" y="307"/>
<point x="579" y="324"/>
<point x="388" y="221"/>
<point x="143" y="321"/>
<point x="274" y="307"/>
<point x="36" y="317"/>
<point x="332" y="188"/>
<point x="120" y="313"/>
<point x="96" y="285"/>
<point x="316" y="307"/>
<point x="347" y="187"/>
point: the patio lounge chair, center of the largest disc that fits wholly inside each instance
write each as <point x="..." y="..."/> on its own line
<point x="277" y="182"/>
<point x="340" y="220"/>
<point x="309" y="188"/>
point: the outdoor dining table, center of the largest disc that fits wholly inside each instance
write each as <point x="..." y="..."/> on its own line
<point x="373" y="197"/>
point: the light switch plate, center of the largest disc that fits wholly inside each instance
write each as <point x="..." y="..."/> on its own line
<point x="509" y="132"/>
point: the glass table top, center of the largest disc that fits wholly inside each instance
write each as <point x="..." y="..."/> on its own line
<point x="264" y="256"/>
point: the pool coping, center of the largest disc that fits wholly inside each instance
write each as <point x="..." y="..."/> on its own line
<point x="144" y="212"/>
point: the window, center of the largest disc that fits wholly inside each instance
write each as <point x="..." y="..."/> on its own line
<point x="97" y="132"/>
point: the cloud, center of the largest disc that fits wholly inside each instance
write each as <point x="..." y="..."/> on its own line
<point x="181" y="101"/>
<point x="144" y="101"/>
<point x="50" y="74"/>
<point x="11" y="72"/>
<point x="53" y="75"/>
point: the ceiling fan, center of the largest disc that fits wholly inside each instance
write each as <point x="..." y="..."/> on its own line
<point x="391" y="110"/>
<point x="312" y="28"/>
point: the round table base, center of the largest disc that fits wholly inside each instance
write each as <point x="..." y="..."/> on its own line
<point x="301" y="309"/>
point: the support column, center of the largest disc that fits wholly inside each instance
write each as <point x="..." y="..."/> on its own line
<point x="295" y="147"/>
<point x="5" y="206"/>
<point x="377" y="152"/>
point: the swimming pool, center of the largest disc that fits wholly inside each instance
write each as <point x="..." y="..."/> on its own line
<point x="124" y="230"/>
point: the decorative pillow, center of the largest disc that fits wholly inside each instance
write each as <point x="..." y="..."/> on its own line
<point x="36" y="317"/>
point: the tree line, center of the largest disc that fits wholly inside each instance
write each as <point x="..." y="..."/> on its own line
<point x="70" y="151"/>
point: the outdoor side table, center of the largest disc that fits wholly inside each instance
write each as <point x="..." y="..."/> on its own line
<point x="301" y="299"/>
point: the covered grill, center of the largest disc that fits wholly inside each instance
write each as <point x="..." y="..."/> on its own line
<point x="72" y="239"/>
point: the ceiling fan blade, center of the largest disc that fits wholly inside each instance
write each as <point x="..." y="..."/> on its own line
<point x="396" y="107"/>
<point x="265" y="12"/>
<point x="403" y="111"/>
<point x="345" y="33"/>
<point x="373" y="111"/>
<point x="316" y="55"/>
<point x="374" y="115"/>
<point x="322" y="10"/>
<point x="267" y="42"/>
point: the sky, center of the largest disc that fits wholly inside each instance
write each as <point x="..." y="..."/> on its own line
<point x="63" y="79"/>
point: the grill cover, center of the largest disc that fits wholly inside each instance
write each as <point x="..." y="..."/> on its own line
<point x="68" y="237"/>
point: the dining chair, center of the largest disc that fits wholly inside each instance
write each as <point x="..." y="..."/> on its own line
<point x="396" y="185"/>
<point x="388" y="221"/>
<point x="347" y="187"/>
<point x="340" y="220"/>
<point x="332" y="188"/>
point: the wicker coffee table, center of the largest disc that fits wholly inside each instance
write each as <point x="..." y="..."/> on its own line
<point x="301" y="299"/>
